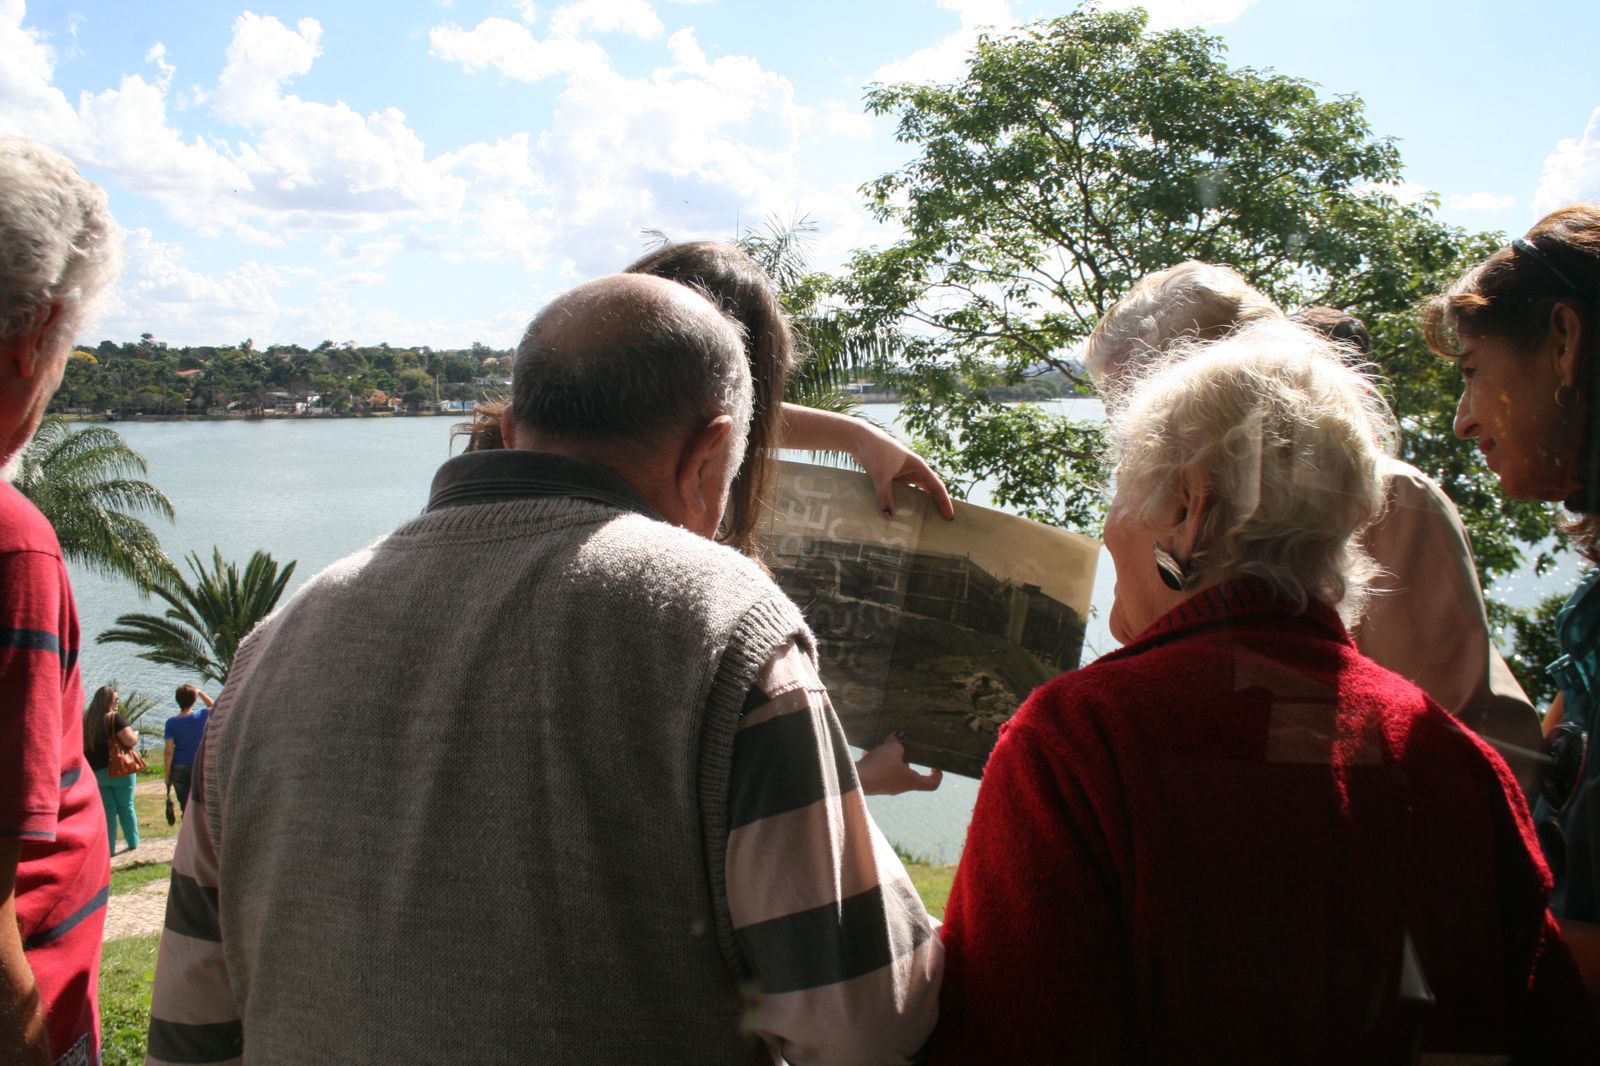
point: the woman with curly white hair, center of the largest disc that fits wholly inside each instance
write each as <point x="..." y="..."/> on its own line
<point x="1227" y="841"/>
<point x="1426" y="619"/>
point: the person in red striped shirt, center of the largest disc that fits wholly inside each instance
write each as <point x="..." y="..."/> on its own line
<point x="58" y="251"/>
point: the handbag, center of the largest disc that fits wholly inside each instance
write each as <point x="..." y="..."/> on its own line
<point x="120" y="761"/>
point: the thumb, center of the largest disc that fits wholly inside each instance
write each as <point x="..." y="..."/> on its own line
<point x="885" y="496"/>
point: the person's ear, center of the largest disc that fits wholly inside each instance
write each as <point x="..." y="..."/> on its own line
<point x="28" y="350"/>
<point x="1190" y="514"/>
<point x="701" y="474"/>
<point x="1567" y="329"/>
<point x="508" y="428"/>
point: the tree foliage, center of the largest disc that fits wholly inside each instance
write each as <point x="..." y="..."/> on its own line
<point x="149" y="378"/>
<point x="91" y="487"/>
<point x="207" y="618"/>
<point x="1080" y="154"/>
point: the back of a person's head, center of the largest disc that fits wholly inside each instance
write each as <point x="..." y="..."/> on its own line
<point x="1188" y="302"/>
<point x="1336" y="325"/>
<point x="742" y="289"/>
<point x="61" y="245"/>
<point x="95" y="731"/>
<point x="629" y="361"/>
<point x="185" y="697"/>
<point x="1289" y="439"/>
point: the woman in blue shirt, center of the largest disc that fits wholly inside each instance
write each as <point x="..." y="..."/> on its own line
<point x="184" y="731"/>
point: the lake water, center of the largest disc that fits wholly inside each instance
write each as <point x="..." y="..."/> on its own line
<point x="315" y="491"/>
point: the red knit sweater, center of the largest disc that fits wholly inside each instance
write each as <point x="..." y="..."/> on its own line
<point x="1214" y="846"/>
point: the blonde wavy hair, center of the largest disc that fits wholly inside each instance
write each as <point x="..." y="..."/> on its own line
<point x="1290" y="440"/>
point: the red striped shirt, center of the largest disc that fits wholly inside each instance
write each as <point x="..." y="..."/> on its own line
<point x="48" y="795"/>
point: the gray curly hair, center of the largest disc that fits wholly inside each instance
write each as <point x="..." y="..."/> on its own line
<point x="1290" y="440"/>
<point x="1190" y="301"/>
<point x="58" y="243"/>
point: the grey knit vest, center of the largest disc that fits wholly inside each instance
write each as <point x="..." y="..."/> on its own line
<point x="469" y="788"/>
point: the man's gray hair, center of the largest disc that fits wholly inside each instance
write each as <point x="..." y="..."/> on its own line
<point x="1190" y="301"/>
<point x="631" y="366"/>
<point x="1289" y="440"/>
<point x="58" y="243"/>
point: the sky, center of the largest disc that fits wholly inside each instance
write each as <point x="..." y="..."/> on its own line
<point x="431" y="171"/>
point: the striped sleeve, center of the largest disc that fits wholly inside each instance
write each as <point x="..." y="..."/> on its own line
<point x="845" y="961"/>
<point x="36" y="664"/>
<point x="193" y="1017"/>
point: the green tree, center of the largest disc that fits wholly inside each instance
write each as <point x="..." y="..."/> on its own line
<point x="91" y="487"/>
<point x="1080" y="154"/>
<point x="205" y="619"/>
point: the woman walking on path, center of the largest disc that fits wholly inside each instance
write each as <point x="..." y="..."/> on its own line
<point x="184" y="731"/>
<point x="103" y="725"/>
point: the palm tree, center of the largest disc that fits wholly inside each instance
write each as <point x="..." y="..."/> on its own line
<point x="205" y="620"/>
<point x="837" y="354"/>
<point x="89" y="485"/>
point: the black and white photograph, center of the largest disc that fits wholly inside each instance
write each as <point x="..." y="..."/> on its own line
<point x="936" y="628"/>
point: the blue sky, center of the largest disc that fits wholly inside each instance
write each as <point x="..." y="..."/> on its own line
<point x="429" y="171"/>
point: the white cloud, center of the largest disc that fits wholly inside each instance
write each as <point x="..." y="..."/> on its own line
<point x="1173" y="14"/>
<point x="314" y="164"/>
<point x="635" y="17"/>
<point x="692" y="148"/>
<point x="847" y="121"/>
<point x="299" y="164"/>
<point x="947" y="60"/>
<point x="29" y="104"/>
<point x="1572" y="170"/>
<point x="132" y="140"/>
<point x="513" y="50"/>
<point x="525" y="10"/>
<point x="1478" y="201"/>
<point x="158" y="286"/>
<point x="263" y="53"/>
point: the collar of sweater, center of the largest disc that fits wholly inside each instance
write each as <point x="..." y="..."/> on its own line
<point x="498" y="476"/>
<point x="1233" y="602"/>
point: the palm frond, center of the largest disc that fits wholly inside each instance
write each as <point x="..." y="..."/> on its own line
<point x="90" y="486"/>
<point x="206" y="617"/>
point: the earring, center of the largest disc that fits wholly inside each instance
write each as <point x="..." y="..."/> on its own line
<point x="1566" y="395"/>
<point x="1172" y="572"/>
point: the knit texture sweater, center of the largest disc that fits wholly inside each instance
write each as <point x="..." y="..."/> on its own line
<point x="469" y="789"/>
<point x="1223" y="842"/>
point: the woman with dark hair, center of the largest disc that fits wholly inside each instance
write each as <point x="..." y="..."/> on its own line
<point x="1524" y="327"/>
<point x="732" y="279"/>
<point x="103" y="726"/>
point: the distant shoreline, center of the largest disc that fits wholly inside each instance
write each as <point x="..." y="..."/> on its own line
<point x="329" y="417"/>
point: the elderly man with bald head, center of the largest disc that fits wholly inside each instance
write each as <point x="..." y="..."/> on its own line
<point x="581" y="797"/>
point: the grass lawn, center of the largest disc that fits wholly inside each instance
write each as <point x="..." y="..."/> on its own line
<point x="932" y="881"/>
<point x="128" y="878"/>
<point x="127" y="970"/>
<point x="151" y="810"/>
